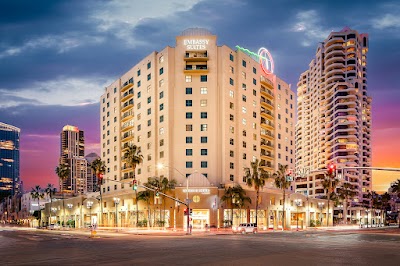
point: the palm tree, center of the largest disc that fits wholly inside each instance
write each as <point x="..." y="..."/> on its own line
<point x="240" y="198"/>
<point x="37" y="193"/>
<point x="50" y="190"/>
<point x="396" y="187"/>
<point x="346" y="193"/>
<point x="329" y="183"/>
<point x="145" y="196"/>
<point x="227" y="197"/>
<point x="256" y="177"/>
<point x="385" y="198"/>
<point x="99" y="167"/>
<point x="282" y="182"/>
<point x="133" y="157"/>
<point x="63" y="172"/>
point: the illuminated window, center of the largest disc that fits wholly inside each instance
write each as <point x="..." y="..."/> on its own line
<point x="188" y="78"/>
<point x="203" y="90"/>
<point x="203" y="103"/>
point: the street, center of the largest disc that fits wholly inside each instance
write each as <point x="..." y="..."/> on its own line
<point x="43" y="247"/>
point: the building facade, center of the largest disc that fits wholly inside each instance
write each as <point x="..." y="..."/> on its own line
<point x="72" y="153"/>
<point x="334" y="116"/>
<point x="197" y="109"/>
<point x="9" y="160"/>
<point x="91" y="181"/>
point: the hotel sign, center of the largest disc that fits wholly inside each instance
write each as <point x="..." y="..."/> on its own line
<point x="196" y="44"/>
<point x="197" y="190"/>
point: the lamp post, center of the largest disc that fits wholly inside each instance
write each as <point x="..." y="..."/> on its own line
<point x="70" y="205"/>
<point x="298" y="203"/>
<point x="89" y="205"/>
<point x="321" y="206"/>
<point x="116" y="201"/>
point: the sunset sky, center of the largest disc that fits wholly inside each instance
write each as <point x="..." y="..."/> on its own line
<point x="56" y="57"/>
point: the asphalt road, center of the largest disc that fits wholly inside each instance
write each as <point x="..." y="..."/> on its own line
<point x="42" y="247"/>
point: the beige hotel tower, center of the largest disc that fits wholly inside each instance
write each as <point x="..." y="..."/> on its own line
<point x="334" y="115"/>
<point x="203" y="111"/>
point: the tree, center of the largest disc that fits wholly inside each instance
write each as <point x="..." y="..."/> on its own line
<point x="329" y="183"/>
<point x="50" y="190"/>
<point x="282" y="182"/>
<point x="145" y="196"/>
<point x="37" y="193"/>
<point x="396" y="187"/>
<point x="133" y="157"/>
<point x="63" y="171"/>
<point x="240" y="198"/>
<point x="99" y="167"/>
<point x="227" y="197"/>
<point x="256" y="177"/>
<point x="345" y="193"/>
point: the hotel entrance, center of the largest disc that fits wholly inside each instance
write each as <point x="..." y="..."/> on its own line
<point x="199" y="219"/>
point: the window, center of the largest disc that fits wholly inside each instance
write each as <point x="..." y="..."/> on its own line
<point x="161" y="71"/>
<point x="161" y="107"/>
<point x="244" y="87"/>
<point x="189" y="127"/>
<point x="203" y="90"/>
<point x="161" y="82"/>
<point x="203" y="127"/>
<point x="244" y="98"/>
<point x="244" y="156"/>
<point x="279" y="116"/>
<point x="203" y="164"/>
<point x="161" y="59"/>
<point x="148" y="65"/>
<point x="203" y="139"/>
<point x="138" y="84"/>
<point x="161" y="95"/>
<point x="279" y="86"/>
<point x="244" y="63"/>
<point x="138" y="73"/>
<point x="231" y="177"/>
<point x="188" y="78"/>
<point x="161" y="131"/>
<point x="139" y="94"/>
<point x="161" y="154"/>
<point x="231" y="129"/>
<point x="231" y="117"/>
<point x="254" y="147"/>
<point x="231" y="81"/>
<point x="188" y="90"/>
<point x="231" y="166"/>
<point x="203" y="115"/>
<point x="279" y="136"/>
<point x="244" y="110"/>
<point x="254" y="70"/>
<point x="231" y="141"/>
<point x="203" y="103"/>
<point x="149" y="77"/>
<point x="231" y="93"/>
<point x="244" y="74"/>
<point x="203" y="78"/>
<point x="189" y="152"/>
<point x="149" y="100"/>
<point x="189" y="115"/>
<point x="189" y="164"/>
<point x="254" y="81"/>
<point x="254" y="114"/>
<point x="244" y="133"/>
<point x="161" y="142"/>
<point x="149" y="111"/>
<point x="189" y="103"/>
<point x="244" y="144"/>
<point x="231" y="153"/>
<point x="149" y="122"/>
<point x="231" y="105"/>
<point x="149" y="134"/>
<point x="231" y="57"/>
<point x="203" y="152"/>
<point x="189" y="139"/>
<point x="231" y="69"/>
<point x="139" y="127"/>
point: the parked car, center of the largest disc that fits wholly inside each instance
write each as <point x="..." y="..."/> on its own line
<point x="245" y="228"/>
<point x="53" y="226"/>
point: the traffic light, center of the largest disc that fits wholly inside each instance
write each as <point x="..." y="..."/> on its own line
<point x="134" y="184"/>
<point x="157" y="192"/>
<point x="185" y="212"/>
<point x="331" y="168"/>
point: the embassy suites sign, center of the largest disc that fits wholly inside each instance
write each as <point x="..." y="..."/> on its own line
<point x="196" y="44"/>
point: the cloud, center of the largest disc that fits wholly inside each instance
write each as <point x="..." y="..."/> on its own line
<point x="121" y="17"/>
<point x="387" y="21"/>
<point x="309" y="23"/>
<point x="61" y="91"/>
<point x="60" y="43"/>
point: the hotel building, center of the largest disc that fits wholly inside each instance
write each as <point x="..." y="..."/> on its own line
<point x="334" y="115"/>
<point x="9" y="160"/>
<point x="204" y="112"/>
<point x="72" y="153"/>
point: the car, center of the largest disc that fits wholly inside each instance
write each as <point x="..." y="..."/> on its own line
<point x="245" y="228"/>
<point x="54" y="226"/>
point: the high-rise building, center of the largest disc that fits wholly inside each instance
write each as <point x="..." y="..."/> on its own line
<point x="334" y="115"/>
<point x="91" y="181"/>
<point x="198" y="109"/>
<point x="72" y="153"/>
<point x="9" y="160"/>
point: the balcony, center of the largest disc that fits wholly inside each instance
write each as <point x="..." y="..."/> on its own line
<point x="126" y="87"/>
<point x="267" y="82"/>
<point x="196" y="57"/>
<point x="267" y="93"/>
<point x="195" y="69"/>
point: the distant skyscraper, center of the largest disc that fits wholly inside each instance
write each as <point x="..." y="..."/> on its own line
<point x="9" y="160"/>
<point x="91" y="175"/>
<point x="334" y="114"/>
<point x="72" y="153"/>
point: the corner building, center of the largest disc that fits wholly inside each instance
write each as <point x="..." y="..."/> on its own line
<point x="334" y="116"/>
<point x="201" y="110"/>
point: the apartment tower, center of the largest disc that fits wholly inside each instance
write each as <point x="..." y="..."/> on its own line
<point x="72" y="154"/>
<point x="334" y="116"/>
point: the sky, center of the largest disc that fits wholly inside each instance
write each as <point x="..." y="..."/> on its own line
<point x="57" y="56"/>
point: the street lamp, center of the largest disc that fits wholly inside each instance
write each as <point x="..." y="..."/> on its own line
<point x="116" y="201"/>
<point x="298" y="203"/>
<point x="161" y="166"/>
<point x="321" y="206"/>
<point x="89" y="205"/>
<point x="70" y="205"/>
